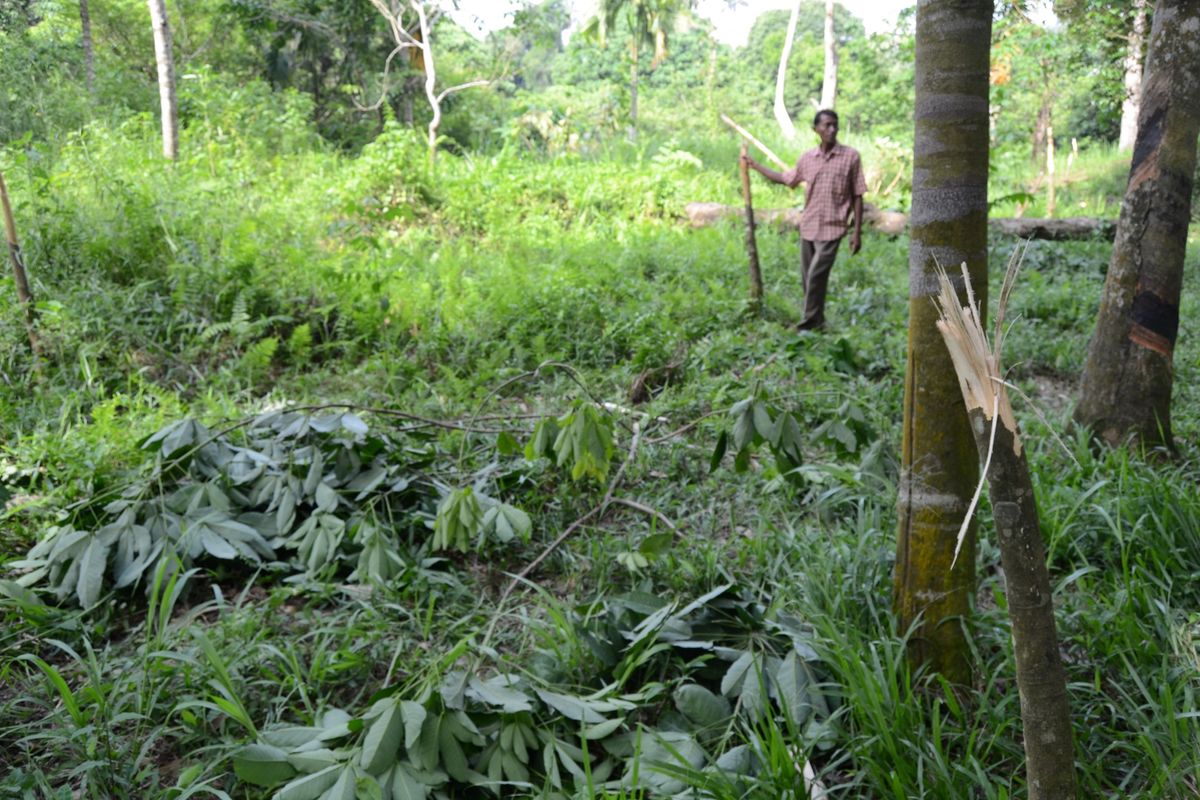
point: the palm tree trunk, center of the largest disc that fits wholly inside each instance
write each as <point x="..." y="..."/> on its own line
<point x="949" y="224"/>
<point x="1127" y="378"/>
<point x="1133" y="77"/>
<point x="829" y="86"/>
<point x="166" y="78"/>
<point x="89" y="53"/>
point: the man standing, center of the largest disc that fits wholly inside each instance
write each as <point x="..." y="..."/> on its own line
<point x="835" y="186"/>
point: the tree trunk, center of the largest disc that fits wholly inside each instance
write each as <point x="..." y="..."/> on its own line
<point x="166" y="78"/>
<point x="1133" y="77"/>
<point x="89" y="53"/>
<point x="1041" y="679"/>
<point x="20" y="277"/>
<point x="1050" y="168"/>
<point x="1127" y="378"/>
<point x="1040" y="125"/>
<point x="829" y="86"/>
<point x="756" y="286"/>
<point x="781" y="113"/>
<point x="633" y="87"/>
<point x="949" y="224"/>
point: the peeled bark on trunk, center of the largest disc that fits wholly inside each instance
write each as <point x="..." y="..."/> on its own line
<point x="949" y="225"/>
<point x="1041" y="679"/>
<point x="781" y="113"/>
<point x="829" y="86"/>
<point x="1128" y="375"/>
<point x="166" y="78"/>
<point x="1133" y="77"/>
<point x="756" y="286"/>
<point x="89" y="52"/>
<point x="20" y="277"/>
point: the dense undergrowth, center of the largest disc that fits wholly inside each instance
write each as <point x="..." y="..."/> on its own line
<point x="711" y="622"/>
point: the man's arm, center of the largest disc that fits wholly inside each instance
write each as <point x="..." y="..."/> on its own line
<point x="856" y="235"/>
<point x="789" y="178"/>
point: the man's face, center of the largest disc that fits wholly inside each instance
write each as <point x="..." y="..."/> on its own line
<point x="827" y="129"/>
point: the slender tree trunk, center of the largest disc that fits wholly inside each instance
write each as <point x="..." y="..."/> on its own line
<point x="829" y="86"/>
<point x="756" y="285"/>
<point x="166" y="78"/>
<point x="89" y="53"/>
<point x="710" y="84"/>
<point x="1050" y="171"/>
<point x="633" y="88"/>
<point x="1040" y="125"/>
<point x="20" y="277"/>
<point x="781" y="113"/>
<point x="949" y="224"/>
<point x="1127" y="378"/>
<point x="1133" y="77"/>
<point x="1041" y="679"/>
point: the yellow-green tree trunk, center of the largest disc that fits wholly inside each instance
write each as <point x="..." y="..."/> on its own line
<point x="1128" y="376"/>
<point x="949" y="224"/>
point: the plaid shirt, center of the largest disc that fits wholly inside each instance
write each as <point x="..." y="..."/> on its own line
<point x="833" y="180"/>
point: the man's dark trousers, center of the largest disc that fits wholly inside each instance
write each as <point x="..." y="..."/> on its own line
<point x="816" y="260"/>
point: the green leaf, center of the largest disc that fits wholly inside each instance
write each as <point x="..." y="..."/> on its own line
<point x="541" y="444"/>
<point x="404" y="786"/>
<point x="310" y="787"/>
<point x="762" y="420"/>
<point x="382" y="742"/>
<point x="414" y="717"/>
<point x="718" y="451"/>
<point x="345" y="788"/>
<point x="327" y="498"/>
<point x="731" y="684"/>
<point x="91" y="572"/>
<point x="706" y="710"/>
<point x="497" y="691"/>
<point x="603" y="729"/>
<point x="570" y="707"/>
<point x="507" y="445"/>
<point x="262" y="765"/>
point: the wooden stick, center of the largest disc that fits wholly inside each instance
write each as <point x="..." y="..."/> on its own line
<point x="756" y="287"/>
<point x="749" y="137"/>
<point x="20" y="278"/>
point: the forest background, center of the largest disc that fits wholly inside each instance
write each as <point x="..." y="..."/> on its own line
<point x="375" y="386"/>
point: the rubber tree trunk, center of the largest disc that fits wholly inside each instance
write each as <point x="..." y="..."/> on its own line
<point x="756" y="285"/>
<point x="949" y="224"/>
<point x="89" y="52"/>
<point x="1127" y="378"/>
<point x="1133" y="77"/>
<point x="829" y="85"/>
<point x="166" y="78"/>
<point x="633" y="87"/>
<point x="781" y="113"/>
<point x="1041" y="679"/>
<point x="20" y="277"/>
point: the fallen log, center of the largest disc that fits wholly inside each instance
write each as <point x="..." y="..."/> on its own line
<point x="893" y="223"/>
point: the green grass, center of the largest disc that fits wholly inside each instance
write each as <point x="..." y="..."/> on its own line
<point x="255" y="275"/>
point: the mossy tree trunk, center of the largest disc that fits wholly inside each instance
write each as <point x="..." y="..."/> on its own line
<point x="1127" y="378"/>
<point x="949" y="223"/>
<point x="166" y="78"/>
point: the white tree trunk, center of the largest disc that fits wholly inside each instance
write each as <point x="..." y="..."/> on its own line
<point x="1133" y="77"/>
<point x="829" y="87"/>
<point x="781" y="112"/>
<point x="166" y="77"/>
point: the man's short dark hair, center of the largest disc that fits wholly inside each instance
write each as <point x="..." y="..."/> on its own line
<point x="824" y="112"/>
